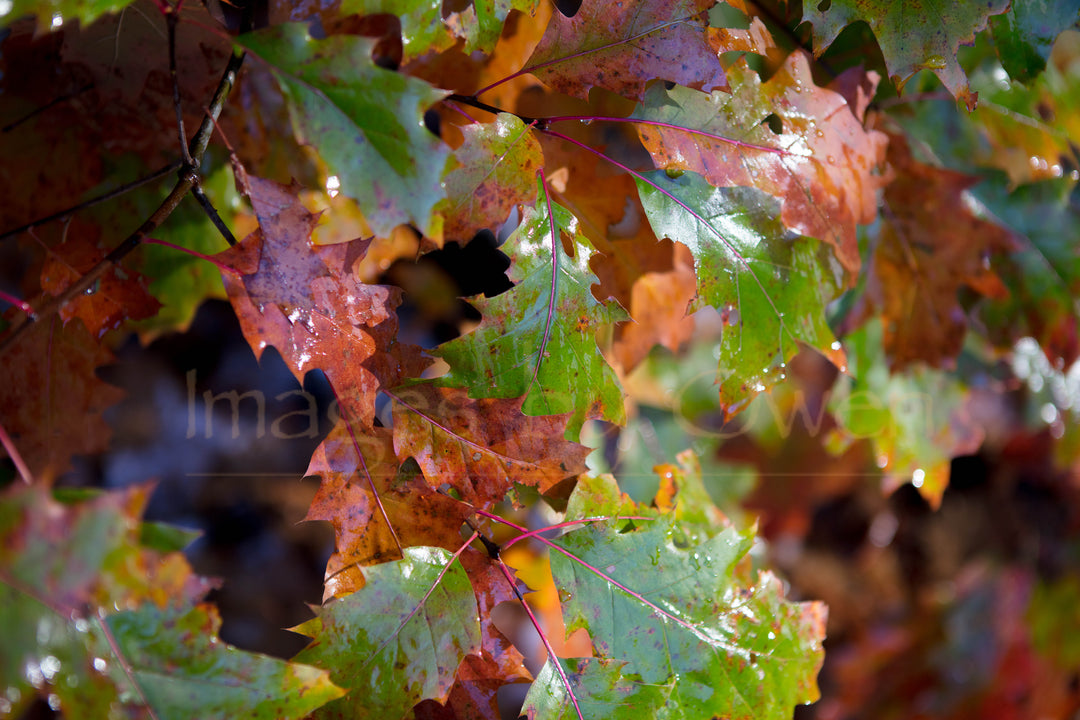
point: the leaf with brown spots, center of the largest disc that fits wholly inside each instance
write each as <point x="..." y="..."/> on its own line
<point x="376" y="506"/>
<point x="497" y="171"/>
<point x="788" y="137"/>
<point x="481" y="447"/>
<point x="305" y="301"/>
<point x="622" y="45"/>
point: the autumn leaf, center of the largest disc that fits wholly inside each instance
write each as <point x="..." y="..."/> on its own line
<point x="481" y="448"/>
<point x="66" y="570"/>
<point x="365" y="122"/>
<point x="422" y="29"/>
<point x="917" y="421"/>
<point x="398" y="640"/>
<point x="52" y="399"/>
<point x="306" y="302"/>
<point x="621" y="46"/>
<point x="603" y="691"/>
<point x="912" y="38"/>
<point x="727" y="648"/>
<point x="770" y="289"/>
<point x="377" y="507"/>
<point x="1024" y="35"/>
<point x="537" y="340"/>
<point x="825" y="172"/>
<point x="497" y="166"/>
<point x="931" y="245"/>
<point x="121" y="294"/>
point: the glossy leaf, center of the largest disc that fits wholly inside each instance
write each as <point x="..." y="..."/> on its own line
<point x="825" y="172"/>
<point x="182" y="670"/>
<point x="398" y="640"/>
<point x="621" y="46"/>
<point x="730" y="650"/>
<point x="365" y="122"/>
<point x="306" y="302"/>
<point x="422" y="29"/>
<point x="602" y="689"/>
<point x="538" y="339"/>
<point x="481" y="448"/>
<point x="912" y="38"/>
<point x="770" y="288"/>
<point x="497" y="166"/>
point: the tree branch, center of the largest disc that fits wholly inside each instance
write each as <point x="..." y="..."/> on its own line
<point x="188" y="178"/>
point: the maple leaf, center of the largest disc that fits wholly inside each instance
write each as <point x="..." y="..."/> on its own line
<point x="51" y="399"/>
<point x="726" y="644"/>
<point x="917" y="421"/>
<point x="376" y="507"/>
<point x="770" y="289"/>
<point x="422" y="29"/>
<point x="398" y="640"/>
<point x="621" y="46"/>
<point x="305" y="301"/>
<point x="481" y="447"/>
<point x="498" y="162"/>
<point x="65" y="570"/>
<point x="121" y="294"/>
<point x="537" y="340"/>
<point x="930" y="245"/>
<point x="911" y="38"/>
<point x="823" y="165"/>
<point x="365" y="122"/>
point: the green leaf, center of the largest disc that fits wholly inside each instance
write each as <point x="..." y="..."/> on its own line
<point x="770" y="287"/>
<point x="1024" y="35"/>
<point x="398" y="640"/>
<point x="683" y="615"/>
<point x="366" y="123"/>
<point x="498" y="162"/>
<point x="481" y="22"/>
<point x="63" y="568"/>
<point x="917" y="421"/>
<point x="53" y="13"/>
<point x="601" y="689"/>
<point x="183" y="671"/>
<point x="538" y="339"/>
<point x="422" y="29"/>
<point x="912" y="37"/>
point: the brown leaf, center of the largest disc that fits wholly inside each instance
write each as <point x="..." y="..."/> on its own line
<point x="120" y="293"/>
<point x="622" y="45"/>
<point x="305" y="301"/>
<point x="359" y="474"/>
<point x="658" y="304"/>
<point x="931" y="246"/>
<point x="481" y="447"/>
<point x="50" y="398"/>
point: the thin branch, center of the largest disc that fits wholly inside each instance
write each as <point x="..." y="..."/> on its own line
<point x="53" y="103"/>
<point x="125" y="188"/>
<point x="171" y="19"/>
<point x="188" y="178"/>
<point x="188" y="251"/>
<point x="208" y="208"/>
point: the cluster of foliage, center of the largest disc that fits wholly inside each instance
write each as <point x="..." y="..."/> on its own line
<point x="696" y="202"/>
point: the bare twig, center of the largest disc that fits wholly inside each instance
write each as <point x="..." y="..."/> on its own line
<point x="172" y="17"/>
<point x="212" y="213"/>
<point x="127" y="187"/>
<point x="188" y="178"/>
<point x="37" y="111"/>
